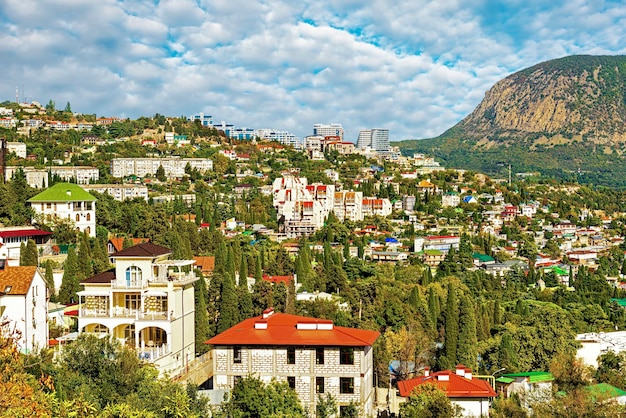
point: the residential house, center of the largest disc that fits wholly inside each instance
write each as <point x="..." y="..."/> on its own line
<point x="450" y="199"/>
<point x="314" y="356"/>
<point x="116" y="244"/>
<point x="24" y="306"/>
<point x="66" y="200"/>
<point x="471" y="394"/>
<point x="146" y="302"/>
<point x="12" y="238"/>
<point x="530" y="387"/>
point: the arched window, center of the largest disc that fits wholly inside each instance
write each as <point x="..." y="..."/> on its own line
<point x="88" y="216"/>
<point x="133" y="274"/>
<point x="101" y="329"/>
<point x="77" y="217"/>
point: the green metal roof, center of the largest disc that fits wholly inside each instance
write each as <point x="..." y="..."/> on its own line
<point x="620" y="302"/>
<point x="63" y="192"/>
<point x="432" y="252"/>
<point x="505" y="380"/>
<point x="482" y="257"/>
<point x="604" y="390"/>
<point x="533" y="377"/>
<point x="558" y="270"/>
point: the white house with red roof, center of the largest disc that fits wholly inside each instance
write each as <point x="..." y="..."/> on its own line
<point x="473" y="395"/>
<point x="146" y="302"/>
<point x="24" y="306"/>
<point x="12" y="237"/>
<point x="314" y="356"/>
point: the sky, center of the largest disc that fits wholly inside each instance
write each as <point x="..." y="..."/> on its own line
<point x="413" y="67"/>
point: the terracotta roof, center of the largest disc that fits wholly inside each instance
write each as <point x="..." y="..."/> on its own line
<point x="104" y="277"/>
<point x="118" y="242"/>
<point x="18" y="279"/>
<point x="146" y="249"/>
<point x="205" y="263"/>
<point x="452" y="384"/>
<point x="281" y="329"/>
<point x="278" y="279"/>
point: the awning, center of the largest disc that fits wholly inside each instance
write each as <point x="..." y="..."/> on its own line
<point x="154" y="293"/>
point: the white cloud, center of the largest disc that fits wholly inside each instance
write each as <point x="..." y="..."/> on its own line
<point x="416" y="67"/>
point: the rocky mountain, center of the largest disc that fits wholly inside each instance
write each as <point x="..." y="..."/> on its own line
<point x="564" y="118"/>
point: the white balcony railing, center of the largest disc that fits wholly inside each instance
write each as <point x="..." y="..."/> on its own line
<point x="151" y="354"/>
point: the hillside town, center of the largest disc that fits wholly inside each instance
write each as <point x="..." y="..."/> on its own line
<point x="349" y="279"/>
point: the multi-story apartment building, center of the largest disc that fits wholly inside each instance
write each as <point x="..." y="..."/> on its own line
<point x="66" y="200"/>
<point x="441" y="243"/>
<point x="205" y="120"/>
<point x="173" y="166"/>
<point x="376" y="207"/>
<point x="314" y="356"/>
<point x="146" y="302"/>
<point x="120" y="191"/>
<point x="348" y="206"/>
<point x="24" y="305"/>
<point x="376" y="139"/>
<point x="284" y="137"/>
<point x="38" y="178"/>
<point x="324" y="130"/>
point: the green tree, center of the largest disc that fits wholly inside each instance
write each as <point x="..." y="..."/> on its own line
<point x="467" y="353"/>
<point x="202" y="329"/>
<point x="251" y="398"/>
<point x="452" y="329"/>
<point x="49" y="278"/>
<point x="29" y="256"/>
<point x="228" y="306"/>
<point x="160" y="174"/>
<point x="428" y="401"/>
<point x="326" y="407"/>
<point x="70" y="284"/>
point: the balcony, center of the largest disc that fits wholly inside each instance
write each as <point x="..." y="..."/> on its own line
<point x="127" y="284"/>
<point x="151" y="353"/>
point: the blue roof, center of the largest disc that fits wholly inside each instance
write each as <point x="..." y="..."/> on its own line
<point x="391" y="240"/>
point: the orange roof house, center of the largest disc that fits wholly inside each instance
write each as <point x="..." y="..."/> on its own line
<point x="206" y="264"/>
<point x="471" y="394"/>
<point x="307" y="353"/>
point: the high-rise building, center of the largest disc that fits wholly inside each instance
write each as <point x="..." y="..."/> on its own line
<point x="376" y="139"/>
<point x="334" y="129"/>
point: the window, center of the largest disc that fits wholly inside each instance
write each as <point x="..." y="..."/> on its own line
<point x="236" y="379"/>
<point x="346" y="385"/>
<point x="48" y="205"/>
<point x="236" y="354"/>
<point x="133" y="274"/>
<point x="77" y="217"/>
<point x="319" y="385"/>
<point x="291" y="381"/>
<point x="346" y="356"/>
<point x="319" y="355"/>
<point x="291" y="355"/>
<point x="89" y="216"/>
<point x="133" y="302"/>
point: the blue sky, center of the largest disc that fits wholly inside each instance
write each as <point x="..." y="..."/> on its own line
<point x="414" y="67"/>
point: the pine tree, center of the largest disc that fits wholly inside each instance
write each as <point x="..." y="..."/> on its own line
<point x="467" y="352"/>
<point x="451" y="328"/>
<point x="70" y="284"/>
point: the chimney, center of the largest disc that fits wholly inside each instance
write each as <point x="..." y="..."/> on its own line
<point x="468" y="374"/>
<point x="460" y="370"/>
<point x="268" y="312"/>
<point x="426" y="371"/>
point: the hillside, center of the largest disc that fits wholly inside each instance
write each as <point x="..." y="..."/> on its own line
<point x="564" y="118"/>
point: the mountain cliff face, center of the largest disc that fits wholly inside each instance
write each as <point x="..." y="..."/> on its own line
<point x="578" y="95"/>
<point x="564" y="118"/>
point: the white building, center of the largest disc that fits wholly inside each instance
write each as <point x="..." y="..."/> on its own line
<point x="324" y="130"/>
<point x="284" y="137"/>
<point x="348" y="206"/>
<point x="376" y="139"/>
<point x="18" y="148"/>
<point x="24" y="306"/>
<point x="173" y="166"/>
<point x="147" y="302"/>
<point x="120" y="191"/>
<point x="12" y="238"/>
<point x="314" y="356"/>
<point x="66" y="200"/>
<point x="376" y="207"/>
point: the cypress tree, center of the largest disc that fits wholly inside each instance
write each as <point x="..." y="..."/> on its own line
<point x="451" y="327"/>
<point x="85" y="267"/>
<point x="228" y="306"/>
<point x="23" y="255"/>
<point x="70" y="284"/>
<point x="433" y="308"/>
<point x="243" y="271"/>
<point x="467" y="352"/>
<point x="417" y="302"/>
<point x="29" y="256"/>
<point x="202" y="329"/>
<point x="258" y="272"/>
<point x="49" y="278"/>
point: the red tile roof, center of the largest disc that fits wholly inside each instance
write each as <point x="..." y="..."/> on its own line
<point x="452" y="384"/>
<point x="104" y="277"/>
<point x="24" y="233"/>
<point x="118" y="242"/>
<point x="281" y="329"/>
<point x="278" y="279"/>
<point x="146" y="249"/>
<point x="205" y="263"/>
